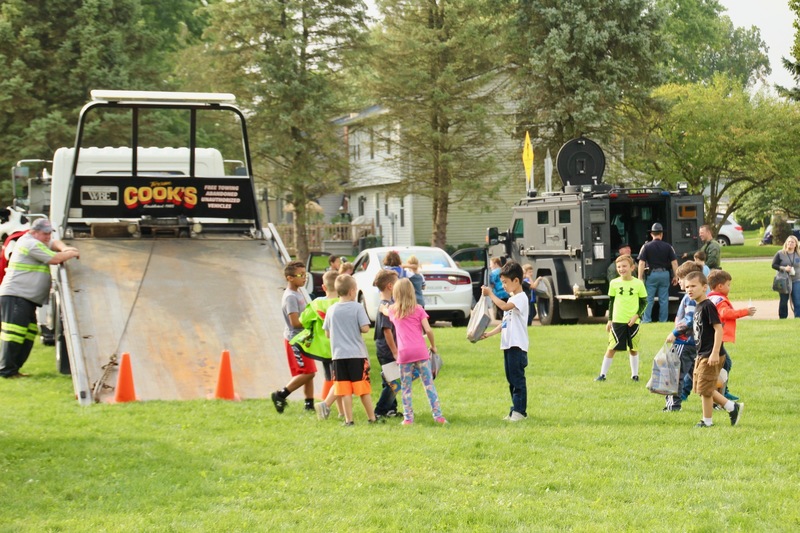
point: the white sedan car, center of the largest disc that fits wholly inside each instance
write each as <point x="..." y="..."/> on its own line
<point x="448" y="289"/>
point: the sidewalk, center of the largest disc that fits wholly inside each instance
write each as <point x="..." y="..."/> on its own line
<point x="765" y="309"/>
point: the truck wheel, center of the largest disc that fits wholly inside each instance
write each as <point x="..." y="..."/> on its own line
<point x="546" y="303"/>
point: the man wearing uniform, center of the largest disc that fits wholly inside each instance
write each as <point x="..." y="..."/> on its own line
<point x="25" y="287"/>
<point x="710" y="246"/>
<point x="660" y="257"/>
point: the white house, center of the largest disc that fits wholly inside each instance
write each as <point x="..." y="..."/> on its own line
<point x="406" y="219"/>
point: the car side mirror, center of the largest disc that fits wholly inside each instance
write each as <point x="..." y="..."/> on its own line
<point x="492" y="236"/>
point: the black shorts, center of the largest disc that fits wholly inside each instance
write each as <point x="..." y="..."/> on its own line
<point x="623" y="337"/>
<point x="351" y="370"/>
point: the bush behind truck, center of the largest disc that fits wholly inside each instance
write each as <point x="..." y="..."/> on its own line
<point x="571" y="236"/>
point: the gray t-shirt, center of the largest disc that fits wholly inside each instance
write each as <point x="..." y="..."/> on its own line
<point x="344" y="321"/>
<point x="28" y="272"/>
<point x="292" y="302"/>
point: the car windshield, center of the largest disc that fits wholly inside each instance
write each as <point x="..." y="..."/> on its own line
<point x="427" y="258"/>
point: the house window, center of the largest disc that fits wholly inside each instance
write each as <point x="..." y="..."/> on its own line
<point x="362" y="205"/>
<point x="402" y="212"/>
<point x="377" y="209"/>
<point x="372" y="143"/>
<point x="386" y="206"/>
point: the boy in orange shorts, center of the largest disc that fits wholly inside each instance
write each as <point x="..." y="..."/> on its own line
<point x="302" y="368"/>
<point x="345" y="322"/>
<point x="708" y="336"/>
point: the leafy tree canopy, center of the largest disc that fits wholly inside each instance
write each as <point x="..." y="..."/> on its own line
<point x="285" y="61"/>
<point x="702" y="41"/>
<point x="53" y="53"/>
<point x="722" y="141"/>
<point x="435" y="68"/>
<point x="580" y="61"/>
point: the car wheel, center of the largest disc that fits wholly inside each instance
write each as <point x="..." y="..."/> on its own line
<point x="459" y="322"/>
<point x="546" y="303"/>
<point x="723" y="240"/>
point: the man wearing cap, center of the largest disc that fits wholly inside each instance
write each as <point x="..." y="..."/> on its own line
<point x="660" y="257"/>
<point x="611" y="273"/>
<point x="25" y="287"/>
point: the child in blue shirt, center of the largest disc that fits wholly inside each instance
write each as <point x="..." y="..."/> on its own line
<point x="683" y="338"/>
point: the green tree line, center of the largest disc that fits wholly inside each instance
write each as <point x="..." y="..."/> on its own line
<point x="668" y="87"/>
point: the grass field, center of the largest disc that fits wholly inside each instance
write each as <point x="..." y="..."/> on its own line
<point x="590" y="457"/>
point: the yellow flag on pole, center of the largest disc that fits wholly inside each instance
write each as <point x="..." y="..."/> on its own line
<point x="527" y="161"/>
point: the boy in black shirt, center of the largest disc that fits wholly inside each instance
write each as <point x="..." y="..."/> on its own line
<point x="708" y="336"/>
<point x="385" y="345"/>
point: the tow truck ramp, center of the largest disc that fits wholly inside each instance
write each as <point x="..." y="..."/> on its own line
<point x="174" y="305"/>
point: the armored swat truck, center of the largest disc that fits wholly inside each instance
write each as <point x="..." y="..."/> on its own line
<point x="572" y="236"/>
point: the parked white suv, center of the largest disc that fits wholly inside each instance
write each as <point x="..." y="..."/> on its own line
<point x="730" y="233"/>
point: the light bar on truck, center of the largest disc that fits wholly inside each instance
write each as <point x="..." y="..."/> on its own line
<point x="162" y="96"/>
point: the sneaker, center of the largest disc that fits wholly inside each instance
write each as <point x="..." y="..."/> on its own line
<point x="672" y="408"/>
<point x="516" y="416"/>
<point x="406" y="422"/>
<point x="323" y="411"/>
<point x="280" y="403"/>
<point x="736" y="414"/>
<point x="440" y="420"/>
<point x="701" y="424"/>
<point x="391" y="413"/>
<point x="348" y="424"/>
<point x="601" y="377"/>
<point x="730" y="396"/>
<point x="635" y="378"/>
<point x="718" y="407"/>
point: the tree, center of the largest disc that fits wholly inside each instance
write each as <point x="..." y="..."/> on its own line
<point x="435" y="69"/>
<point x="580" y="62"/>
<point x="793" y="66"/>
<point x="286" y="61"/>
<point x="702" y="42"/>
<point x="722" y="142"/>
<point x="53" y="53"/>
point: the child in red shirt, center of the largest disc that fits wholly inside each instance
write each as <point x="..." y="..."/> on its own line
<point x="720" y="283"/>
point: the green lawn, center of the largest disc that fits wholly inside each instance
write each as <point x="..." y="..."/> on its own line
<point x="591" y="456"/>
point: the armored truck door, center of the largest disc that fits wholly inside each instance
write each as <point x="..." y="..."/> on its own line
<point x="598" y="247"/>
<point x="686" y="213"/>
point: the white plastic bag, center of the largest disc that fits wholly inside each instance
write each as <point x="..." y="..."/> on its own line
<point x="666" y="370"/>
<point x="479" y="319"/>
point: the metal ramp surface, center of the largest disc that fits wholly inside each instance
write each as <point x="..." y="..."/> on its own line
<point x="174" y="305"/>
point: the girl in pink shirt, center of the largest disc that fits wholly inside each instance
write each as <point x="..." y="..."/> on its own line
<point x="411" y="322"/>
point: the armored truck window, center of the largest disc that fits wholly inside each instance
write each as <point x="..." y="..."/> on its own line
<point x="564" y="216"/>
<point x="519" y="228"/>
<point x="597" y="216"/>
<point x="543" y="218"/>
<point x="687" y="212"/>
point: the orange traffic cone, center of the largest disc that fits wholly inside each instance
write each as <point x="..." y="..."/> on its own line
<point x="125" y="391"/>
<point x="224" y="389"/>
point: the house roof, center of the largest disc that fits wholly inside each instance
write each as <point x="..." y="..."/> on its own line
<point x="360" y="116"/>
